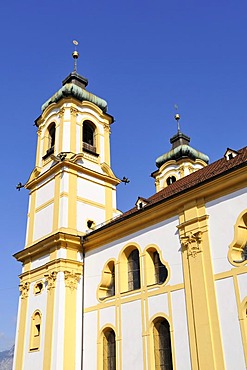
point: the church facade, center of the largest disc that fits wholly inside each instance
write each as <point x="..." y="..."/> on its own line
<point x="162" y="286"/>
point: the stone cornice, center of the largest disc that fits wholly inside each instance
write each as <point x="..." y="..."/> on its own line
<point x="56" y="241"/>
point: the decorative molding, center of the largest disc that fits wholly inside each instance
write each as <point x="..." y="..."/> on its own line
<point x="50" y="278"/>
<point x="24" y="289"/>
<point x="107" y="128"/>
<point x="73" y="111"/>
<point x="181" y="170"/>
<point x="61" y="112"/>
<point x="71" y="279"/>
<point x="192" y="243"/>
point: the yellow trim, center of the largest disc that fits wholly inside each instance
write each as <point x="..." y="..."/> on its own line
<point x="242" y="315"/>
<point x="31" y="218"/>
<point x="203" y="321"/>
<point x="108" y="203"/>
<point x="123" y="266"/>
<point x="56" y="208"/>
<point x="34" y="341"/>
<point x="160" y="315"/>
<point x="38" y="150"/>
<point x="44" y="205"/>
<point x="105" y="281"/>
<point x="91" y="202"/>
<point x="239" y="241"/>
<point x="100" y="344"/>
<point x="73" y="115"/>
<point x="69" y="356"/>
<point x="49" y="329"/>
<point x="22" y="325"/>
<point x="167" y="209"/>
<point x="61" y="131"/>
<point x="42" y="247"/>
<point x="149" y="265"/>
<point x="72" y="204"/>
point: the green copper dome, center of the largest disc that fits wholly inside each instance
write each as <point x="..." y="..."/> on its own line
<point x="181" y="149"/>
<point x="74" y="85"/>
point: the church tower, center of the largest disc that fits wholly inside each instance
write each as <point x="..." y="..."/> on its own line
<point x="180" y="161"/>
<point x="71" y="190"/>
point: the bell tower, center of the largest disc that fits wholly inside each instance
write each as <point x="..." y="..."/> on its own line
<point x="72" y="189"/>
<point x="179" y="162"/>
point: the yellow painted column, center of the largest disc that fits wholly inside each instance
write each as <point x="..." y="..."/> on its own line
<point x="38" y="153"/>
<point x="72" y="200"/>
<point x="49" y="327"/>
<point x="24" y="289"/>
<point x="203" y="321"/>
<point x="108" y="203"/>
<point x="107" y="144"/>
<point x="71" y="281"/>
<point x="56" y="208"/>
<point x="73" y="113"/>
<point x="31" y="217"/>
<point x="60" y="143"/>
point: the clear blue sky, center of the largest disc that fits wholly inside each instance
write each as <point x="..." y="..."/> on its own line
<point x="142" y="57"/>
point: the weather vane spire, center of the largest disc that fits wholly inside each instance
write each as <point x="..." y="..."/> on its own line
<point x="177" y="117"/>
<point x="75" y="55"/>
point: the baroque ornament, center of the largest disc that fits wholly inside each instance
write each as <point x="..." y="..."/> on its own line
<point x="50" y="278"/>
<point x="24" y="289"/>
<point x="192" y="243"/>
<point x="71" y="279"/>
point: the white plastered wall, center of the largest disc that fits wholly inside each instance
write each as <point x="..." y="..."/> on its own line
<point x="230" y="328"/>
<point x="36" y="302"/>
<point x="59" y="316"/>
<point x="90" y="341"/>
<point x="223" y="214"/>
<point x="165" y="236"/>
<point x="132" y="350"/>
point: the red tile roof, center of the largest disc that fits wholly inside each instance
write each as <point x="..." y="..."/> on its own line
<point x="201" y="176"/>
<point x="206" y="174"/>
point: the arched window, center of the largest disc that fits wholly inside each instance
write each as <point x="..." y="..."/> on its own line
<point x="238" y="249"/>
<point x="155" y="269"/>
<point x="162" y="344"/>
<point x="89" y="137"/>
<point x="170" y="180"/>
<point x="50" y="140"/>
<point x="52" y="135"/>
<point x="160" y="270"/>
<point x="35" y="331"/>
<point x="134" y="270"/>
<point x="109" y="350"/>
<point x="107" y="284"/>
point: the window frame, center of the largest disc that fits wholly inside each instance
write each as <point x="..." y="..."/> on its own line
<point x="162" y="343"/>
<point x="109" y="349"/>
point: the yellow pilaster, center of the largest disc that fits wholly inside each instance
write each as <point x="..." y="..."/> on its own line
<point x="24" y="288"/>
<point x="108" y="203"/>
<point x="71" y="281"/>
<point x="31" y="217"/>
<point x="61" y="124"/>
<point x="38" y="154"/>
<point x="56" y="202"/>
<point x="203" y="322"/>
<point x="107" y="144"/>
<point x="73" y="113"/>
<point x="72" y="200"/>
<point x="51" y="280"/>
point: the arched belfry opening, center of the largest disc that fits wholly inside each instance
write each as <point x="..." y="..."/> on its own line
<point x="88" y="136"/>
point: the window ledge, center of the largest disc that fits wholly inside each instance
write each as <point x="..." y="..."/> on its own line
<point x="48" y="153"/>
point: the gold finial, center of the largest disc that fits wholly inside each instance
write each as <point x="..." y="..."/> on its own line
<point x="75" y="55"/>
<point x="177" y="117"/>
